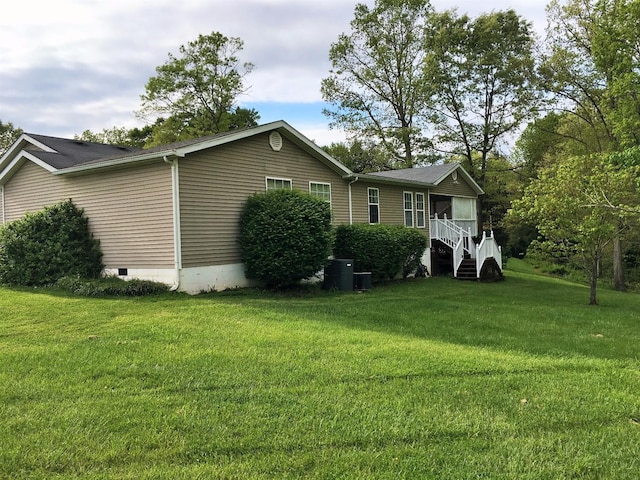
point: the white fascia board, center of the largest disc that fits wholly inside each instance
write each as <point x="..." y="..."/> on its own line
<point x="114" y="162"/>
<point x="466" y="176"/>
<point x="470" y="180"/>
<point x="36" y="143"/>
<point x="18" y="145"/>
<point x="8" y="170"/>
<point x="279" y="125"/>
<point x="389" y="180"/>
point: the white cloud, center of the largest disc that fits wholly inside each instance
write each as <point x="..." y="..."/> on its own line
<point x="71" y="65"/>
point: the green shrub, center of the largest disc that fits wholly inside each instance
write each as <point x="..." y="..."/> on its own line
<point x="42" y="247"/>
<point x="383" y="250"/>
<point x="285" y="236"/>
<point x="109" y="286"/>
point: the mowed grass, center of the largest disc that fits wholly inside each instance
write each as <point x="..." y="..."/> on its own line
<point x="433" y="378"/>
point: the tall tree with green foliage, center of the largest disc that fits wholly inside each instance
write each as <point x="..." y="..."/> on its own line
<point x="481" y="72"/>
<point x="583" y="200"/>
<point x="376" y="87"/>
<point x="196" y="92"/>
<point x="591" y="69"/>
<point x="8" y="135"/>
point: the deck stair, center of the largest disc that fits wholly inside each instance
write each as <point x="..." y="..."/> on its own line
<point x="467" y="269"/>
<point x="468" y="257"/>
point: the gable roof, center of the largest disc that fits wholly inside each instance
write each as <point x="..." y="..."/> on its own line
<point x="431" y="175"/>
<point x="63" y="156"/>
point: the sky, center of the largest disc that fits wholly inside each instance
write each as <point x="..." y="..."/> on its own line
<point x="67" y="66"/>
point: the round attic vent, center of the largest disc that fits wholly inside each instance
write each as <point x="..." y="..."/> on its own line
<point x="275" y="140"/>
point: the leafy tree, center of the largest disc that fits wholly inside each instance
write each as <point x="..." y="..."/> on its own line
<point x="196" y="91"/>
<point x="285" y="236"/>
<point x="481" y="72"/>
<point x="135" y="137"/>
<point x="359" y="156"/>
<point x="375" y="86"/>
<point x="8" y="135"/>
<point x="584" y="201"/>
<point x="591" y="69"/>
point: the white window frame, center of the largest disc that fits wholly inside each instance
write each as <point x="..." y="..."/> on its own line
<point x="371" y="204"/>
<point x="321" y="197"/>
<point x="407" y="204"/>
<point x="421" y="218"/>
<point x="275" y="180"/>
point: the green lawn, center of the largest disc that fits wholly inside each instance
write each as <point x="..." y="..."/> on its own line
<point x="433" y="378"/>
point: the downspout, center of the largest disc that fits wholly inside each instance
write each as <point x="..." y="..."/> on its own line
<point x="2" y="200"/>
<point x="350" y="203"/>
<point x="177" y="245"/>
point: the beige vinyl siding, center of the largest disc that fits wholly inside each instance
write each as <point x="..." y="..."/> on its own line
<point x="449" y="187"/>
<point x="214" y="185"/>
<point x="391" y="203"/>
<point x="30" y="189"/>
<point x="130" y="210"/>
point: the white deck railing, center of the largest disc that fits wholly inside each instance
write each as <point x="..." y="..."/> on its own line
<point x="450" y="231"/>
<point x="488" y="248"/>
<point x="461" y="242"/>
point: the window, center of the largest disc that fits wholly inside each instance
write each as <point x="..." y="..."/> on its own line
<point x="408" y="209"/>
<point x="278" y="184"/>
<point x="420" y="210"/>
<point x="464" y="208"/>
<point x="374" y="205"/>
<point x="321" y="190"/>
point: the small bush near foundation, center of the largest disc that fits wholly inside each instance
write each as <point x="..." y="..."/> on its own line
<point x="109" y="287"/>
<point x="44" y="246"/>
<point x="384" y="250"/>
<point x="285" y="237"/>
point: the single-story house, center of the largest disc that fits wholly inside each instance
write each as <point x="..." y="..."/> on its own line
<point x="171" y="213"/>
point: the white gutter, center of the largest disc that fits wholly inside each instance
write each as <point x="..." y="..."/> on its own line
<point x="350" y="203"/>
<point x="177" y="245"/>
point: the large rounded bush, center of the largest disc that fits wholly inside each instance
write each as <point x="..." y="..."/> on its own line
<point x="44" y="246"/>
<point x="285" y="236"/>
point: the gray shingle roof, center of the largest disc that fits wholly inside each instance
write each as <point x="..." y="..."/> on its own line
<point x="430" y="174"/>
<point x="71" y="153"/>
<point x="74" y="152"/>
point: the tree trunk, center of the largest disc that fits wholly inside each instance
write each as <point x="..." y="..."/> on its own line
<point x="618" y="271"/>
<point x="593" y="282"/>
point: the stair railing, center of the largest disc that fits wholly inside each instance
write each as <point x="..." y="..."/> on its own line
<point x="488" y="248"/>
<point x="450" y="234"/>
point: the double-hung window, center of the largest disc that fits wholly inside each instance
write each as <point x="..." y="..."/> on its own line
<point x="374" y="205"/>
<point x="414" y="212"/>
<point x="278" y="183"/>
<point x="420" y="210"/>
<point x="321" y="190"/>
<point x="408" y="209"/>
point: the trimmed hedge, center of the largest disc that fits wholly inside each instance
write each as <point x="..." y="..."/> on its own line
<point x="110" y="287"/>
<point x="44" y="246"/>
<point x="383" y="250"/>
<point x="285" y="236"/>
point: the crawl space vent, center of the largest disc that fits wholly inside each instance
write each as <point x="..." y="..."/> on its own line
<point x="275" y="140"/>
